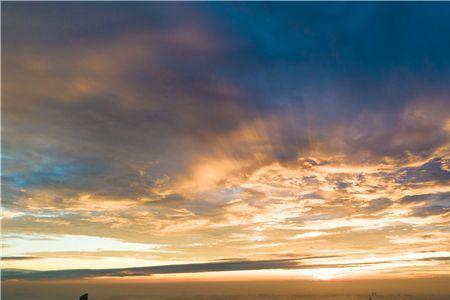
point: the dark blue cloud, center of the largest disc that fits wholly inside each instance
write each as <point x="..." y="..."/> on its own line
<point x="433" y="170"/>
<point x="55" y="173"/>
<point x="363" y="54"/>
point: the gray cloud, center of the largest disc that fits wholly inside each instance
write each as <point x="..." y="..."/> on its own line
<point x="430" y="204"/>
<point x="379" y="204"/>
<point x="220" y="266"/>
<point x="429" y="198"/>
<point x="425" y="211"/>
<point x="19" y="257"/>
<point x="145" y="271"/>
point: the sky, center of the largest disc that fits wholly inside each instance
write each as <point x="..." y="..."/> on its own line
<point x="225" y="141"/>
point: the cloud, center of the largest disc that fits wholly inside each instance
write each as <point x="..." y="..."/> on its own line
<point x="146" y="271"/>
<point x="426" y="211"/>
<point x="428" y="198"/>
<point x="19" y="257"/>
<point x="433" y="170"/>
<point x="220" y="266"/>
<point x="429" y="204"/>
<point x="379" y="204"/>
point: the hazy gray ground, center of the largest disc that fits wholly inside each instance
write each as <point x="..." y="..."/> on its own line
<point x="417" y="289"/>
<point x="287" y="297"/>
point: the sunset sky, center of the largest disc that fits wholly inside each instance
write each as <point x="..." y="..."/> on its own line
<point x="184" y="141"/>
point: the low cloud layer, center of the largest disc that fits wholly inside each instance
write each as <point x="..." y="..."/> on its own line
<point x="229" y="265"/>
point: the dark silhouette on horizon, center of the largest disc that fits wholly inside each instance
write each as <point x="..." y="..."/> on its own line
<point x="84" y="297"/>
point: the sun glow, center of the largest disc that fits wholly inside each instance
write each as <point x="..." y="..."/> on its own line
<point x="326" y="274"/>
